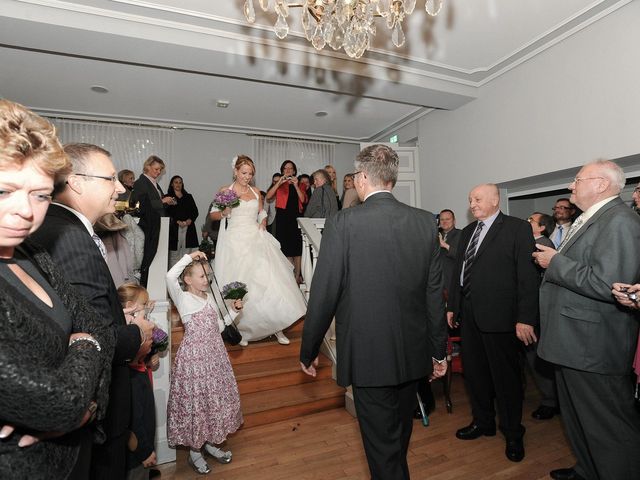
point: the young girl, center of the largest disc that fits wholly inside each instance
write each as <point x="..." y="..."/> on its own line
<point x="135" y="300"/>
<point x="204" y="403"/>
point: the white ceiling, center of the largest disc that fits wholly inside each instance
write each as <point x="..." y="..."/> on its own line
<point x="168" y="61"/>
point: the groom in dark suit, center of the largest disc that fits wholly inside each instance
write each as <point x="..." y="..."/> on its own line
<point x="494" y="293"/>
<point x="589" y="337"/>
<point x="67" y="233"/>
<point x="379" y="272"/>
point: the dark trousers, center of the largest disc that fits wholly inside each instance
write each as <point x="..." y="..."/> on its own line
<point x="492" y="375"/>
<point x="601" y="423"/>
<point x="543" y="374"/>
<point x="385" y="415"/>
<point x="108" y="460"/>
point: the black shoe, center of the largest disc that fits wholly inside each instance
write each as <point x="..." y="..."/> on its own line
<point x="565" y="474"/>
<point x="473" y="431"/>
<point x="544" y="412"/>
<point x="515" y="450"/>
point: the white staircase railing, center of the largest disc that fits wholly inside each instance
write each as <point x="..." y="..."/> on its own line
<point x="311" y="229"/>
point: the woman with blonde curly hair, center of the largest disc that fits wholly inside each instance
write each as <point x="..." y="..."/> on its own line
<point x="55" y="353"/>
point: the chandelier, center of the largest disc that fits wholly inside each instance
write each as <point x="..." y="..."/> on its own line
<point x="346" y="24"/>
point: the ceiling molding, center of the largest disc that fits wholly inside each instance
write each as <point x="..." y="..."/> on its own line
<point x="511" y="60"/>
<point x="506" y="58"/>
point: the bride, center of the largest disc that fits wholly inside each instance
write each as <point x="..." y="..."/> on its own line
<point x="246" y="253"/>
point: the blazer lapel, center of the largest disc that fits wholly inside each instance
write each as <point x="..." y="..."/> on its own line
<point x="591" y="221"/>
<point x="493" y="231"/>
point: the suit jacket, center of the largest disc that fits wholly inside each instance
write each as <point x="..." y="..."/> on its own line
<point x="449" y="256"/>
<point x="582" y="326"/>
<point x="504" y="280"/>
<point x="380" y="273"/>
<point x="74" y="251"/>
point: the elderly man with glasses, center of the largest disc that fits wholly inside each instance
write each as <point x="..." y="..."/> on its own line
<point x="79" y="200"/>
<point x="589" y="338"/>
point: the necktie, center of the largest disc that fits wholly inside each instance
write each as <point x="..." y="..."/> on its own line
<point x="159" y="190"/>
<point x="557" y="240"/>
<point x="100" y="245"/>
<point x="574" y="228"/>
<point x="469" y="257"/>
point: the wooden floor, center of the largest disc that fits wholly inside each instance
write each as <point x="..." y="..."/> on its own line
<point x="327" y="446"/>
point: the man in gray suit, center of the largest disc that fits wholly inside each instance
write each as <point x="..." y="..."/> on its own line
<point x="379" y="272"/>
<point x="590" y="338"/>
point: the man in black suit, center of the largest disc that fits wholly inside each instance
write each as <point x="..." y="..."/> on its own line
<point x="542" y="371"/>
<point x="379" y="272"/>
<point x="449" y="239"/>
<point x="148" y="193"/>
<point x="67" y="233"/>
<point x="449" y="236"/>
<point x="590" y="338"/>
<point x="494" y="293"/>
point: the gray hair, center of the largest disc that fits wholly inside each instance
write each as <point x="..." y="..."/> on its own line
<point x="612" y="172"/>
<point x="323" y="173"/>
<point x="380" y="164"/>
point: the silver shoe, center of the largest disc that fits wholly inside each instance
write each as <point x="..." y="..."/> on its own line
<point x="203" y="469"/>
<point x="220" y="455"/>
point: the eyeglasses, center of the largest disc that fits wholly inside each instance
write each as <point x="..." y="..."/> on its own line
<point x="561" y="207"/>
<point x="532" y="220"/>
<point x="582" y="179"/>
<point x="112" y="178"/>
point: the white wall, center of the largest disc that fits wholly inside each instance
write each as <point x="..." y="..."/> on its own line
<point x="575" y="102"/>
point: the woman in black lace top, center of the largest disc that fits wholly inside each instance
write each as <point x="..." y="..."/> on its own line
<point x="55" y="353"/>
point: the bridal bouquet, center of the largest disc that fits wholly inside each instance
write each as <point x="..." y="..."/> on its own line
<point x="234" y="291"/>
<point x="226" y="198"/>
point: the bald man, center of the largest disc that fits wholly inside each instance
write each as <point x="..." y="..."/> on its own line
<point x="494" y="296"/>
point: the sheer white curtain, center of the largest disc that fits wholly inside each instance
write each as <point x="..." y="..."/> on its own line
<point x="269" y="153"/>
<point x="129" y="145"/>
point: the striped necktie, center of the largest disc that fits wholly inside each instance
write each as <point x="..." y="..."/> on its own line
<point x="100" y="244"/>
<point x="575" y="226"/>
<point x="469" y="257"/>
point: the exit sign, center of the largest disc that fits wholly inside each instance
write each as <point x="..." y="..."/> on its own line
<point x="393" y="139"/>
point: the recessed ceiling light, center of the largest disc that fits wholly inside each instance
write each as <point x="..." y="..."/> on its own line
<point x="222" y="103"/>
<point x="99" y="89"/>
<point x="321" y="113"/>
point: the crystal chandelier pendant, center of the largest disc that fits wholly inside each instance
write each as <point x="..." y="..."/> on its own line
<point x="317" y="40"/>
<point x="397" y="37"/>
<point x="433" y="7"/>
<point x="409" y="6"/>
<point x="265" y="4"/>
<point x="249" y="11"/>
<point x="383" y="7"/>
<point x="281" y="27"/>
<point x="282" y="8"/>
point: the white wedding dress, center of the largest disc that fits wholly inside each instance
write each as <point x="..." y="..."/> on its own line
<point x="247" y="254"/>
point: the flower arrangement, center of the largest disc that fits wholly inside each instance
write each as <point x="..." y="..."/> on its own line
<point x="160" y="340"/>
<point x="226" y="198"/>
<point x="234" y="291"/>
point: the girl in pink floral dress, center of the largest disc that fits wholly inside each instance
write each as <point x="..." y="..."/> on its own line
<point x="204" y="403"/>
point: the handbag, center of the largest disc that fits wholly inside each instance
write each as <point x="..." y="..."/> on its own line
<point x="230" y="334"/>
